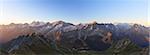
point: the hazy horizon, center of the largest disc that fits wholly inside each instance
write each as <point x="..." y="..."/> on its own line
<point x="75" y="11"/>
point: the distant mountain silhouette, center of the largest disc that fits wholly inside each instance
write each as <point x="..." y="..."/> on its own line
<point x="63" y="38"/>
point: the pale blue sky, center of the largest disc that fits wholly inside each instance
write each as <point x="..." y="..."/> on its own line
<point x="75" y="11"/>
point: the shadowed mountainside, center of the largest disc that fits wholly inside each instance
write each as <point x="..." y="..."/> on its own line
<point x="65" y="38"/>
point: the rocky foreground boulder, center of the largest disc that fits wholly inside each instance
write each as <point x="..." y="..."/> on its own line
<point x="60" y="38"/>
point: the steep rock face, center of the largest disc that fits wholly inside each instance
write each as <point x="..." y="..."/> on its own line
<point x="61" y="37"/>
<point x="139" y="35"/>
<point x="30" y="44"/>
<point x="37" y="44"/>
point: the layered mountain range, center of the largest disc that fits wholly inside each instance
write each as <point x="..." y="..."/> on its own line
<point x="65" y="38"/>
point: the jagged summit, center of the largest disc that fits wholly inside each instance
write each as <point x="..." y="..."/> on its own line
<point x="59" y="22"/>
<point x="47" y="27"/>
<point x="61" y="35"/>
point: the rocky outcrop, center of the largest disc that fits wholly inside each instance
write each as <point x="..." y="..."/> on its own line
<point x="65" y="38"/>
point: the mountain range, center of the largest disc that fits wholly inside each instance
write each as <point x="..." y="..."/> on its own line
<point x="65" y="38"/>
